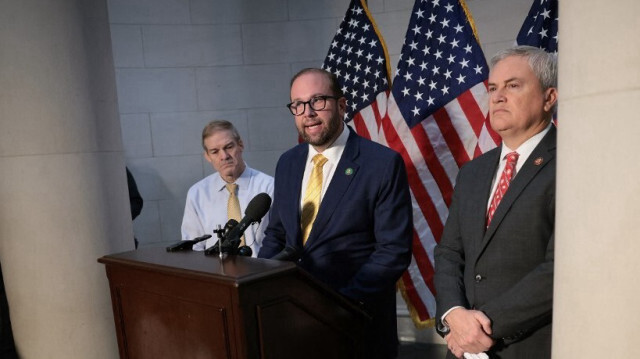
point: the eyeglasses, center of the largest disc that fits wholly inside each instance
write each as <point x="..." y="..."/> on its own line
<point x="317" y="103"/>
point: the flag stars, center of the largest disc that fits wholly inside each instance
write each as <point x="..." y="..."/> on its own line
<point x="407" y="76"/>
<point x="410" y="61"/>
<point x="416" y="30"/>
<point x="464" y="63"/>
<point x="418" y="95"/>
<point x="442" y="38"/>
<point x="413" y="45"/>
<point x="447" y="74"/>
<point x="445" y="90"/>
<point x="478" y="69"/>
<point x="546" y="13"/>
<point x="449" y="8"/>
<point x="429" y="34"/>
<point x="435" y="70"/>
<point x="438" y="54"/>
<point x="426" y="50"/>
<point x="432" y="18"/>
<point x="451" y="58"/>
<point x="415" y="111"/>
<point x="432" y="85"/>
<point x="373" y="43"/>
<point x="454" y="43"/>
<point x="405" y="91"/>
<point x="543" y="33"/>
<point x="445" y="23"/>
<point x="468" y="49"/>
<point x="420" y="14"/>
<point x="380" y="60"/>
<point x="430" y="101"/>
<point x="423" y="66"/>
<point x="421" y="81"/>
<point x="460" y="79"/>
<point x="458" y="28"/>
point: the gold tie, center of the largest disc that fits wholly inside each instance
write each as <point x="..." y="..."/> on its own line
<point x="311" y="201"/>
<point x="233" y="205"/>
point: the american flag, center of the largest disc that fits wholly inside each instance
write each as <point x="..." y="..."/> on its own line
<point x="435" y="115"/>
<point x="358" y="57"/>
<point x="540" y="28"/>
<point x="437" y="119"/>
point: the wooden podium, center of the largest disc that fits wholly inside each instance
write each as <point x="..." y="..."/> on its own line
<point x="188" y="305"/>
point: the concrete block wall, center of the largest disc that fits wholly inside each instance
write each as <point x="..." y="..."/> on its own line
<point x="182" y="63"/>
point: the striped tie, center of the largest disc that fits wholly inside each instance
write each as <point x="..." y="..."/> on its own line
<point x="233" y="206"/>
<point x="503" y="185"/>
<point x="311" y="201"/>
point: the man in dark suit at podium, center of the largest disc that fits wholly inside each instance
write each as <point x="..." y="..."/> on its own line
<point x="342" y="203"/>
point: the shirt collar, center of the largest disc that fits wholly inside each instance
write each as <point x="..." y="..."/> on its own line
<point x="242" y="181"/>
<point x="527" y="147"/>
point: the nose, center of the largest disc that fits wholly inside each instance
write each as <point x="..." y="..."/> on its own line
<point x="224" y="154"/>
<point x="497" y="95"/>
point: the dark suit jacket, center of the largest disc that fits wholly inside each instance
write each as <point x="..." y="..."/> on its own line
<point x="507" y="270"/>
<point x="360" y="243"/>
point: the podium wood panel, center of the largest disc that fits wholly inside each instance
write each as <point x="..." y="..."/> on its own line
<point x="188" y="305"/>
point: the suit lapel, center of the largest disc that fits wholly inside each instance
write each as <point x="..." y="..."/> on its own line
<point x="346" y="170"/>
<point x="539" y="158"/>
<point x="480" y="198"/>
<point x="294" y="189"/>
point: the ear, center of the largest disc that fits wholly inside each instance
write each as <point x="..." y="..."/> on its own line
<point x="342" y="106"/>
<point x="240" y="144"/>
<point x="550" y="98"/>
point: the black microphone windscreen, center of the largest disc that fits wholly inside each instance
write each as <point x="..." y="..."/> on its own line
<point x="258" y="206"/>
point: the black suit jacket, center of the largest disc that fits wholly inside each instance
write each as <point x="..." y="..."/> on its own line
<point x="506" y="271"/>
<point x="360" y="243"/>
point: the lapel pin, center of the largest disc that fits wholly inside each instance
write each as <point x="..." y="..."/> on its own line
<point x="538" y="161"/>
<point x="348" y="171"/>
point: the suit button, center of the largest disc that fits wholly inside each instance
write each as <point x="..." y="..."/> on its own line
<point x="478" y="277"/>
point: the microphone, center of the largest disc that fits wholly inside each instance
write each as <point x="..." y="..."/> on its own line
<point x="221" y="232"/>
<point x="289" y="253"/>
<point x="256" y="209"/>
<point x="188" y="244"/>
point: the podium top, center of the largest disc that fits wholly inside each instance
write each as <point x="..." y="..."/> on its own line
<point x="236" y="269"/>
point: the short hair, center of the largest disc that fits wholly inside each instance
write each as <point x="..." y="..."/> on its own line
<point x="543" y="64"/>
<point x="219" y="125"/>
<point x="334" y="85"/>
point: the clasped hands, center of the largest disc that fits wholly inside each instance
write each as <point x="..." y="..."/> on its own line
<point x="469" y="333"/>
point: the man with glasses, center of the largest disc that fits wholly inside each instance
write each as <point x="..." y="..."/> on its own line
<point x="342" y="203"/>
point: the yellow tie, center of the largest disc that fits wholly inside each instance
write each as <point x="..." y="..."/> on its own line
<point x="233" y="205"/>
<point x="311" y="201"/>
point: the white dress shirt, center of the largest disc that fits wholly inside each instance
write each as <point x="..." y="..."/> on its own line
<point x="206" y="207"/>
<point x="333" y="154"/>
<point x="524" y="151"/>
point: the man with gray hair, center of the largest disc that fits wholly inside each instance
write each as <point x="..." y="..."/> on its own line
<point x="224" y="195"/>
<point x="494" y="262"/>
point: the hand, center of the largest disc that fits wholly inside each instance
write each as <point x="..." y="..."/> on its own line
<point x="469" y="332"/>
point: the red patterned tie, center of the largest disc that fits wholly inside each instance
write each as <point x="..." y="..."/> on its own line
<point x="503" y="185"/>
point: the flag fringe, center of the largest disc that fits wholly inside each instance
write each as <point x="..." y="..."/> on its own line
<point x="472" y="23"/>
<point x="413" y="313"/>
<point x="384" y="45"/>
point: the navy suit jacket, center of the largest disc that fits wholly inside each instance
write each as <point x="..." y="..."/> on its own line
<point x="505" y="271"/>
<point x="360" y="242"/>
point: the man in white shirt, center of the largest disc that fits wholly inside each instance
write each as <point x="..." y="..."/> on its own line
<point x="494" y="262"/>
<point x="208" y="201"/>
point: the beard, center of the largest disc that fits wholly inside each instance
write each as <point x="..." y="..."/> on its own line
<point x="326" y="137"/>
